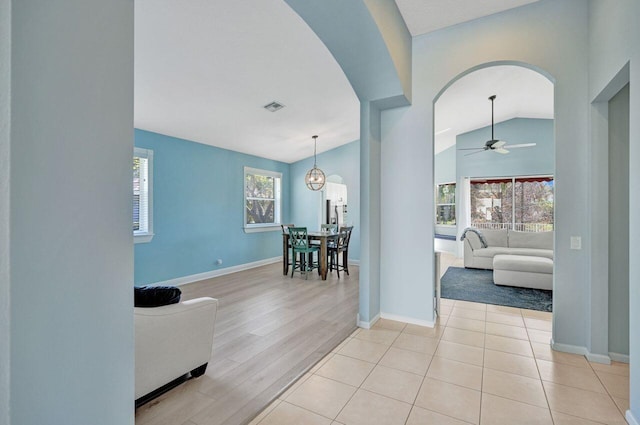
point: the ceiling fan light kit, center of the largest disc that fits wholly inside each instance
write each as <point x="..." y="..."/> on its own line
<point x="499" y="146"/>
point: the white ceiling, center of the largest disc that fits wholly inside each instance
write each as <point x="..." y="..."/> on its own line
<point x="465" y="105"/>
<point x="205" y="68"/>
<point x="423" y="16"/>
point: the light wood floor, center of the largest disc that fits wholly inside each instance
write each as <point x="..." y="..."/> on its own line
<point x="270" y="330"/>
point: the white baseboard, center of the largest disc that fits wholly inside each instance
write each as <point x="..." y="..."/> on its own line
<point x="631" y="419"/>
<point x="598" y="358"/>
<point x="369" y="324"/>
<point x="577" y="349"/>
<point x="406" y="319"/>
<point x="617" y="357"/>
<point x="215" y="273"/>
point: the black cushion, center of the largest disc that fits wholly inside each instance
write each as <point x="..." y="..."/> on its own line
<point x="156" y="296"/>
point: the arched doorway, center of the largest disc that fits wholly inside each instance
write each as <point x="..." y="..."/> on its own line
<point x="497" y="190"/>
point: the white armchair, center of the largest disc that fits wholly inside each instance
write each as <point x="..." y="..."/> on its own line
<point x="171" y="341"/>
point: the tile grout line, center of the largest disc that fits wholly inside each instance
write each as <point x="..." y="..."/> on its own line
<point x="439" y="338"/>
<point x="535" y="360"/>
<point x="436" y="379"/>
<point x="369" y="374"/>
<point x="605" y="388"/>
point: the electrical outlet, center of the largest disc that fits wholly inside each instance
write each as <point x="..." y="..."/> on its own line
<point x="576" y="242"/>
<point x="218" y="262"/>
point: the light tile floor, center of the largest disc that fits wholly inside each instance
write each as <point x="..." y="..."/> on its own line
<point x="481" y="364"/>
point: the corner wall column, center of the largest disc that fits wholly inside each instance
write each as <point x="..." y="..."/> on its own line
<point x="370" y="136"/>
<point x="599" y="211"/>
<point x="5" y="292"/>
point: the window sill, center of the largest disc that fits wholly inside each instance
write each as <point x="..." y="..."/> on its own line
<point x="143" y="238"/>
<point x="265" y="228"/>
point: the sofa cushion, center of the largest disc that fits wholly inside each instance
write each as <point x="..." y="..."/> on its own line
<point x="155" y="296"/>
<point x="490" y="252"/>
<point x="522" y="263"/>
<point x="495" y="237"/>
<point x="540" y="240"/>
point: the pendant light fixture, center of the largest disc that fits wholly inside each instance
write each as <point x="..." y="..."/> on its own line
<point x="315" y="176"/>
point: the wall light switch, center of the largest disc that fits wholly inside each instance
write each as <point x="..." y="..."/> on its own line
<point x="576" y="242"/>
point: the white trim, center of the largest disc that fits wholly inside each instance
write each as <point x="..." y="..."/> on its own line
<point x="277" y="198"/>
<point x="598" y="358"/>
<point x="146" y="236"/>
<point x="410" y="320"/>
<point x="577" y="349"/>
<point x="215" y="273"/>
<point x="622" y="358"/>
<point x="566" y="348"/>
<point x="354" y="262"/>
<point x="631" y="419"/>
<point x="367" y="325"/>
<point x="228" y="270"/>
<point x="263" y="172"/>
<point x="262" y="228"/>
<point x="142" y="237"/>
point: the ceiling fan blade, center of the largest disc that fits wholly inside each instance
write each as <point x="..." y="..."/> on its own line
<point x="498" y="144"/>
<point x="473" y="153"/>
<point x="521" y="145"/>
<point x="501" y="150"/>
<point x="471" y="149"/>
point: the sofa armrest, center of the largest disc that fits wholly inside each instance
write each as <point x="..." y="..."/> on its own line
<point x="472" y="239"/>
<point x="172" y="340"/>
<point x="468" y="253"/>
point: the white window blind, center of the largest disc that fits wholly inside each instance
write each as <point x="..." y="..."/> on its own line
<point x="446" y="204"/>
<point x="142" y="195"/>
<point x="262" y="199"/>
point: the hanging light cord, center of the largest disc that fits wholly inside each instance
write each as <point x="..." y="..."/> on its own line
<point x="492" y="98"/>
<point x="315" y="144"/>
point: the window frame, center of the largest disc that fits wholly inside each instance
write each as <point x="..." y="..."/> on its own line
<point x="513" y="180"/>
<point x="277" y="191"/>
<point x="437" y="192"/>
<point x="145" y="236"/>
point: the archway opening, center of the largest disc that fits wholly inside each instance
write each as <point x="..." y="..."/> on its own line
<point x="494" y="166"/>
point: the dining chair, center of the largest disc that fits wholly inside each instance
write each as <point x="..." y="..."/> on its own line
<point x="285" y="231"/>
<point x="300" y="246"/>
<point x="337" y="247"/>
<point x="329" y="227"/>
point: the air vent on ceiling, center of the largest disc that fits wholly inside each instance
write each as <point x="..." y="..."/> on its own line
<point x="274" y="106"/>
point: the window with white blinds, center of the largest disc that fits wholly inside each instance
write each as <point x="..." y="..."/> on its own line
<point x="142" y="195"/>
<point x="262" y="199"/>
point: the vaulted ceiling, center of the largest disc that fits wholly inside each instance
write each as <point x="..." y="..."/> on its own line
<point x="204" y="69"/>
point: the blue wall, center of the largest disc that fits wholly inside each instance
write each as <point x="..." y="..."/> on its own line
<point x="445" y="166"/>
<point x="538" y="159"/>
<point x="198" y="210"/>
<point x="198" y="206"/>
<point x="451" y="165"/>
<point x="307" y="208"/>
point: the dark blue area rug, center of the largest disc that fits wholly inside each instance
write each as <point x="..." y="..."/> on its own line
<point x="477" y="285"/>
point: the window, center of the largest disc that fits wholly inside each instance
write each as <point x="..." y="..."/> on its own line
<point x="519" y="203"/>
<point x="262" y="199"/>
<point x="446" y="204"/>
<point x="142" y="195"/>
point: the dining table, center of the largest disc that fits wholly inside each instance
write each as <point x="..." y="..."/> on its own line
<point x="319" y="235"/>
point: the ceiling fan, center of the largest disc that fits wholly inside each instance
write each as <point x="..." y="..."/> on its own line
<point x="499" y="146"/>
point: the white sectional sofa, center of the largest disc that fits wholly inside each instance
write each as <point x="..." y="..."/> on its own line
<point x="171" y="341"/>
<point x="504" y="242"/>
<point x="522" y="259"/>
